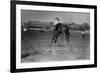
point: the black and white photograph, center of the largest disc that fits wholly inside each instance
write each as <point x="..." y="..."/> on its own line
<point x="52" y="36"/>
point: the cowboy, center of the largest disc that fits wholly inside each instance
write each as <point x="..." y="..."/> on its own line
<point x="57" y="31"/>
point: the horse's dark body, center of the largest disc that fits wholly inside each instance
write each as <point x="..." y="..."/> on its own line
<point x="61" y="29"/>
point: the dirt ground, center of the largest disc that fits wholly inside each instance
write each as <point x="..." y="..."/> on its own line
<point x="36" y="46"/>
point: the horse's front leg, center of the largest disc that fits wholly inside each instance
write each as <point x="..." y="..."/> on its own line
<point x="54" y="35"/>
<point x="55" y="38"/>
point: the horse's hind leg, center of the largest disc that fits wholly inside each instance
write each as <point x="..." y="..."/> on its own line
<point x="67" y="37"/>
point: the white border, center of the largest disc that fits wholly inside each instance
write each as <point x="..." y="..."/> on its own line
<point x="20" y="65"/>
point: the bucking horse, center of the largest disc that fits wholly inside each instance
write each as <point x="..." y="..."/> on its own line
<point x="61" y="29"/>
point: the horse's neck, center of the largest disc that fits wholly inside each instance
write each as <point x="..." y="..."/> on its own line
<point x="61" y="28"/>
